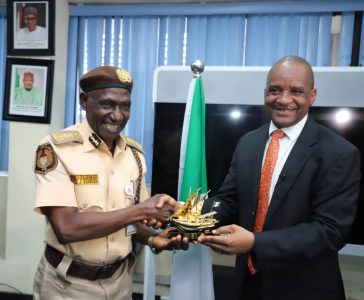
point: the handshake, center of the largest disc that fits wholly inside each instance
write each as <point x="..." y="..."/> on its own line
<point x="157" y="211"/>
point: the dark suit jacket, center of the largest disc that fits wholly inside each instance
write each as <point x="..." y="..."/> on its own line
<point x="309" y="216"/>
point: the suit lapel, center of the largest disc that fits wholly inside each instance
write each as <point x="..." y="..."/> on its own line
<point x="299" y="155"/>
<point x="250" y="170"/>
<point x="256" y="162"/>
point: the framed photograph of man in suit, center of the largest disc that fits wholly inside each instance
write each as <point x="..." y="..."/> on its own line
<point x="28" y="90"/>
<point x="30" y="27"/>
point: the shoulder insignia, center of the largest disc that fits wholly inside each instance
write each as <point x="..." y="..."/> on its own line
<point x="132" y="143"/>
<point x="46" y="159"/>
<point x="66" y="136"/>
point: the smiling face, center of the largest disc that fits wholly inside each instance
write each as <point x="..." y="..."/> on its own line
<point x="107" y="112"/>
<point x="289" y="92"/>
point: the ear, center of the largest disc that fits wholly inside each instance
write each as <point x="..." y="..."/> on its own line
<point x="313" y="95"/>
<point x="83" y="100"/>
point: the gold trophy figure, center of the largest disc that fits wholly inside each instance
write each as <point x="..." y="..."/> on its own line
<point x="188" y="219"/>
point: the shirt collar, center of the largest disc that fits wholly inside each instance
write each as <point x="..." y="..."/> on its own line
<point x="292" y="132"/>
<point x="86" y="130"/>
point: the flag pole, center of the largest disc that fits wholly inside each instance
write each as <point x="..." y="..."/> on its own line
<point x="197" y="67"/>
<point x="192" y="270"/>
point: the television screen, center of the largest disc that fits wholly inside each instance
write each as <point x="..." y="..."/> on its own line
<point x="225" y="124"/>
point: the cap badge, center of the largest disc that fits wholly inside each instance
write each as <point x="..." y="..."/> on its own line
<point x="123" y="76"/>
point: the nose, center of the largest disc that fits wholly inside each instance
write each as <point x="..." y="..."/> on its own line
<point x="119" y="114"/>
<point x="284" y="97"/>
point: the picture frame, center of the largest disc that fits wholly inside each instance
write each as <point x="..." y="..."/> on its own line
<point x="28" y="90"/>
<point x="30" y="27"/>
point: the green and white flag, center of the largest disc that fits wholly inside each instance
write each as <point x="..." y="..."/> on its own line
<point x="17" y="79"/>
<point x="192" y="270"/>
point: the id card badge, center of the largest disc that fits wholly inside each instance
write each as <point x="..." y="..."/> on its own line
<point x="129" y="190"/>
<point x="129" y="199"/>
<point x="129" y="194"/>
<point x="131" y="229"/>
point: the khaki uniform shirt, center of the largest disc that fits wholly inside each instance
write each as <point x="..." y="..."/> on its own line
<point x="93" y="180"/>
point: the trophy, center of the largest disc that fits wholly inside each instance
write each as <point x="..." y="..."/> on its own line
<point x="188" y="219"/>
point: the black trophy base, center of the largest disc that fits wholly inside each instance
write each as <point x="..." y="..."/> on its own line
<point x="191" y="235"/>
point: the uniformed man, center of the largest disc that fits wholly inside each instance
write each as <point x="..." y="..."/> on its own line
<point x="91" y="188"/>
<point x="28" y="94"/>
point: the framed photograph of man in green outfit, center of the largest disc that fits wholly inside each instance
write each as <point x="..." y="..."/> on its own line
<point x="28" y="90"/>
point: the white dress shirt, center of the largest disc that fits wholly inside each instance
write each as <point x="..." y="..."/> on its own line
<point x="286" y="144"/>
<point x="39" y="34"/>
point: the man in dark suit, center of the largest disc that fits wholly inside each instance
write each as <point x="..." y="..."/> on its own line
<point x="311" y="198"/>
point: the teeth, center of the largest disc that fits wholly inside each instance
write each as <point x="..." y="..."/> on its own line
<point x="113" y="127"/>
<point x="285" y="109"/>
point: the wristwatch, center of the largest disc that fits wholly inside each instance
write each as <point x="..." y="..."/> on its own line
<point x="150" y="244"/>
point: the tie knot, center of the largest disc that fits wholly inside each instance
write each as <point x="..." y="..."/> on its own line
<point x="277" y="134"/>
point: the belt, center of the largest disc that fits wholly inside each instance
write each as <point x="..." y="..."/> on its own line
<point x="82" y="270"/>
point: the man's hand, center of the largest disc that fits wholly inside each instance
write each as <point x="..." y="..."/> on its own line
<point x="159" y="208"/>
<point x="231" y="239"/>
<point x="162" y="242"/>
<point x="155" y="223"/>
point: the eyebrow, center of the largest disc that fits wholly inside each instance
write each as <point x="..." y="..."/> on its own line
<point x="279" y="87"/>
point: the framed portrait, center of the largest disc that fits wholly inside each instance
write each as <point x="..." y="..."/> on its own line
<point x="28" y="90"/>
<point x="30" y="27"/>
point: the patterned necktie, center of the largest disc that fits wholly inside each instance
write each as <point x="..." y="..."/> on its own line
<point x="264" y="186"/>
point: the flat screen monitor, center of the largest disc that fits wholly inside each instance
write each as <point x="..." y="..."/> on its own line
<point x="225" y="124"/>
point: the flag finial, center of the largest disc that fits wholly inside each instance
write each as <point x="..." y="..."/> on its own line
<point x="197" y="67"/>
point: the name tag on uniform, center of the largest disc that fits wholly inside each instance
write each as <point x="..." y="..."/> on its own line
<point x="84" y="179"/>
<point x="131" y="229"/>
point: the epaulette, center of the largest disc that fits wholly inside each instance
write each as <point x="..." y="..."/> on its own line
<point x="132" y="143"/>
<point x="66" y="136"/>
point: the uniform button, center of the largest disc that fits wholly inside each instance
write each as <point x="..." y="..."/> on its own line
<point x="253" y="213"/>
<point x="113" y="205"/>
<point x="84" y="205"/>
<point x="112" y="172"/>
<point x="112" y="239"/>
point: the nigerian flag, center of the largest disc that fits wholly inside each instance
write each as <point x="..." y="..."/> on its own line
<point x="192" y="270"/>
<point x="192" y="172"/>
<point x="17" y="79"/>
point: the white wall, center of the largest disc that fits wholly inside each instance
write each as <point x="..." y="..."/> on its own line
<point x="24" y="229"/>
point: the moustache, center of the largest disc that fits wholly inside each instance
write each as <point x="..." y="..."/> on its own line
<point x="282" y="108"/>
